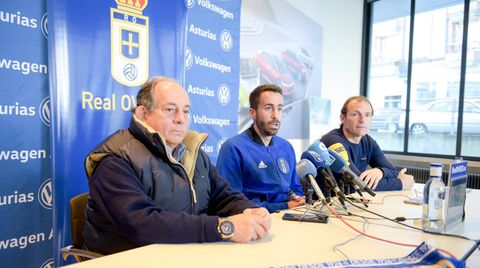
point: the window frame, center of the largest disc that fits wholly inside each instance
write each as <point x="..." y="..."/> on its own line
<point x="365" y="69"/>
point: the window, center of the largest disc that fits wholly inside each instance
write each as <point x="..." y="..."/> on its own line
<point x="471" y="108"/>
<point x="388" y="68"/>
<point x="427" y="69"/>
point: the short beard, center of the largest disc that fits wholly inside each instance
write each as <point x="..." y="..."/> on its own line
<point x="263" y="128"/>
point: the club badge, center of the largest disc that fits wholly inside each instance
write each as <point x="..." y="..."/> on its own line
<point x="129" y="42"/>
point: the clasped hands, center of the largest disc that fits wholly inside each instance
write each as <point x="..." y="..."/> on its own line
<point x="252" y="224"/>
<point x="372" y="176"/>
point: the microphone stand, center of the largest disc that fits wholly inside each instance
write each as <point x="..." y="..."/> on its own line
<point x="308" y="191"/>
<point x="332" y="185"/>
<point x="349" y="182"/>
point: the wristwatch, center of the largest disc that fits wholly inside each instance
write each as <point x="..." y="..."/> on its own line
<point x="225" y="229"/>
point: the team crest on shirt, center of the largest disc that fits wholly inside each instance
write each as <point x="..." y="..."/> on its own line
<point x="129" y="42"/>
<point x="283" y="165"/>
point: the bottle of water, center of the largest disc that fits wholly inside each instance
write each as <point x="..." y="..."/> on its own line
<point x="433" y="200"/>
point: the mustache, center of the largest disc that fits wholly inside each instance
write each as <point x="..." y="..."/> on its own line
<point x="274" y="121"/>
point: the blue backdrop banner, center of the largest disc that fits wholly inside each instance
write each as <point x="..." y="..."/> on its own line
<point x="25" y="179"/>
<point x="212" y="69"/>
<point x="100" y="52"/>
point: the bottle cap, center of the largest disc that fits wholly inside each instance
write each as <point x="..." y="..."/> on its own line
<point x="436" y="169"/>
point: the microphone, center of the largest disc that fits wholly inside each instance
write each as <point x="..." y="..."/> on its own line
<point x="339" y="166"/>
<point x="320" y="148"/>
<point x="306" y="170"/>
<point x="340" y="149"/>
<point x="320" y="164"/>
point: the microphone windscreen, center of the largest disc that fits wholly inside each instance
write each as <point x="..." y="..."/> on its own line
<point x="320" y="148"/>
<point x="305" y="167"/>
<point x="338" y="164"/>
<point x="340" y="149"/>
<point x="315" y="158"/>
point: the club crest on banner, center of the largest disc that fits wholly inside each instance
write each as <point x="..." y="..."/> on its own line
<point x="129" y="42"/>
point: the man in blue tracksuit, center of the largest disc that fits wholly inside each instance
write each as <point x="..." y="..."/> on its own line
<point x="259" y="163"/>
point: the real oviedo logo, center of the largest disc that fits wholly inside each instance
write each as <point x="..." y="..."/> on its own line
<point x="129" y="42"/>
<point x="45" y="194"/>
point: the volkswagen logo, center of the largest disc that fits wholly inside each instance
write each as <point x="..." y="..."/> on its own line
<point x="48" y="264"/>
<point x="220" y="143"/>
<point x="226" y="41"/>
<point x="45" y="194"/>
<point x="188" y="58"/>
<point x="44" y="109"/>
<point x="190" y="3"/>
<point x="44" y="25"/>
<point x="223" y="94"/>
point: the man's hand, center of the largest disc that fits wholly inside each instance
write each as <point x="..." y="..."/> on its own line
<point x="252" y="224"/>
<point x="296" y="201"/>
<point x="263" y="214"/>
<point x="407" y="180"/>
<point x="371" y="177"/>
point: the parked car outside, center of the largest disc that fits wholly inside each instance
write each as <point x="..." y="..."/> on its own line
<point x="386" y="120"/>
<point x="441" y="116"/>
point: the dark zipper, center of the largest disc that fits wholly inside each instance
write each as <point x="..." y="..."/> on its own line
<point x="275" y="166"/>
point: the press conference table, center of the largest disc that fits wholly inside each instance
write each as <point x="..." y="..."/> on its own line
<point x="297" y="243"/>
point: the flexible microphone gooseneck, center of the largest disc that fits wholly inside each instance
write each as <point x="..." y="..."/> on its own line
<point x="339" y="166"/>
<point x="321" y="165"/>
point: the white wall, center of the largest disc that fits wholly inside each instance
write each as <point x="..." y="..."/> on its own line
<point x="342" y="44"/>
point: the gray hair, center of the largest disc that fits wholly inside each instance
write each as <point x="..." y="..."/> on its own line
<point x="146" y="96"/>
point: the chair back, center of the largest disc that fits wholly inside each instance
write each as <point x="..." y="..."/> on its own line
<point x="77" y="218"/>
<point x="78" y="204"/>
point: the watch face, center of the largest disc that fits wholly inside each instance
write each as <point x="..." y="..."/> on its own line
<point x="226" y="227"/>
